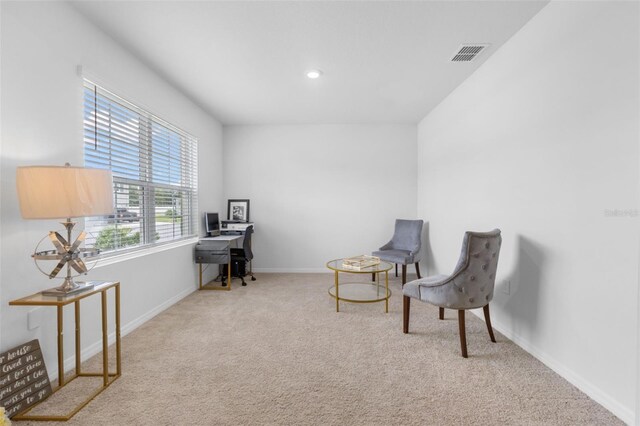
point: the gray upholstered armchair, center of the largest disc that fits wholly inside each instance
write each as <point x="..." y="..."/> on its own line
<point x="404" y="247"/>
<point x="470" y="286"/>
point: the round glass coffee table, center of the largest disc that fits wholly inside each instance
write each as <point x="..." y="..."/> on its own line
<point x="361" y="292"/>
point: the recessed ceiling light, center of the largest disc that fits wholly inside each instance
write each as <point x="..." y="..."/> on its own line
<point x="313" y="74"/>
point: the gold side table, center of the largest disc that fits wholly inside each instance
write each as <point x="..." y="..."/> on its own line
<point x="361" y="292"/>
<point x="39" y="299"/>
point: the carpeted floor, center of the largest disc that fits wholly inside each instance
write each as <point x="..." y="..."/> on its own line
<point x="277" y="353"/>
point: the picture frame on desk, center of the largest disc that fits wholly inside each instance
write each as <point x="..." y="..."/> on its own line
<point x="238" y="210"/>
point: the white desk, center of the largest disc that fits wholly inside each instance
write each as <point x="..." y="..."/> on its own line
<point x="222" y="238"/>
<point x="215" y="250"/>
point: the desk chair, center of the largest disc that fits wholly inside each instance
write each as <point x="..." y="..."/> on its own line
<point x="241" y="256"/>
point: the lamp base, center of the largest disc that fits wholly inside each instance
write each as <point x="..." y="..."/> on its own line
<point x="68" y="288"/>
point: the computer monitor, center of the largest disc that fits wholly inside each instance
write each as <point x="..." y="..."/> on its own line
<point x="212" y="224"/>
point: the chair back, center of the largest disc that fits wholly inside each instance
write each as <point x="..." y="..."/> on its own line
<point x="246" y="243"/>
<point x="475" y="274"/>
<point x="407" y="235"/>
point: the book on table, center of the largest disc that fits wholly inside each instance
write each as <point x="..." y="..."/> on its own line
<point x="361" y="262"/>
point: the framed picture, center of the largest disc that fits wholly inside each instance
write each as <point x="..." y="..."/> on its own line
<point x="238" y="210"/>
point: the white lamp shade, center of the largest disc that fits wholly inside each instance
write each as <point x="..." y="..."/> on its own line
<point x="52" y="192"/>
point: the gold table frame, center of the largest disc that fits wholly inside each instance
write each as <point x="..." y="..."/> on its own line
<point x="375" y="270"/>
<point x="60" y="302"/>
<point x="210" y="285"/>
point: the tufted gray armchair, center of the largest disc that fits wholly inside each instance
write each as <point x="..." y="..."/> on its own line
<point x="404" y="247"/>
<point x="470" y="286"/>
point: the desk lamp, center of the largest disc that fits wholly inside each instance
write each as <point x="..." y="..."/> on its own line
<point x="53" y="192"/>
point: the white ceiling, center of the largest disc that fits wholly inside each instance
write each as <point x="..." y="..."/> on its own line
<point x="245" y="62"/>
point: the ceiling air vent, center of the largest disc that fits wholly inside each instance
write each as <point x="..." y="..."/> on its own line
<point x="468" y="52"/>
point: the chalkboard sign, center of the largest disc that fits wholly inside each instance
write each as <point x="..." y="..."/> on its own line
<point x="23" y="378"/>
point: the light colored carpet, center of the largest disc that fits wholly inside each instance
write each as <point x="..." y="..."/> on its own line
<point x="277" y="353"/>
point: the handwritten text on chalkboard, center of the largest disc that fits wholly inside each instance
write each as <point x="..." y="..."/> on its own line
<point x="23" y="378"/>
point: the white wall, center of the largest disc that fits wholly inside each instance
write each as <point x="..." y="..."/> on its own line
<point x="42" y="44"/>
<point x="319" y="192"/>
<point x="541" y="141"/>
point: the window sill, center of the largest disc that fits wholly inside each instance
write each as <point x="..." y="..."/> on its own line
<point x="123" y="257"/>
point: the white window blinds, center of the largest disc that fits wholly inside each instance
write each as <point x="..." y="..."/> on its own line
<point x="154" y="166"/>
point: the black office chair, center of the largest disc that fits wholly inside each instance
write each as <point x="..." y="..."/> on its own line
<point x="241" y="256"/>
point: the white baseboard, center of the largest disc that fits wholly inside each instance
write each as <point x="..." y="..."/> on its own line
<point x="624" y="413"/>
<point x="129" y="327"/>
<point x="96" y="347"/>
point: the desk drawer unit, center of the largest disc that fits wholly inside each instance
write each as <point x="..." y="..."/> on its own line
<point x="208" y="256"/>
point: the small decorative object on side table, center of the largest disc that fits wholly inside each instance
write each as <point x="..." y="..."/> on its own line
<point x="358" y="263"/>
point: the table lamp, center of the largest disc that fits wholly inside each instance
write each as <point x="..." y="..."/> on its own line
<point x="64" y="192"/>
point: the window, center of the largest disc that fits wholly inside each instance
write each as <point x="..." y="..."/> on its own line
<point x="154" y="166"/>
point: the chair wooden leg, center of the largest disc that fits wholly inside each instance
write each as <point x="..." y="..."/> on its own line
<point x="406" y="305"/>
<point x="396" y="270"/>
<point x="418" y="269"/>
<point x="404" y="275"/>
<point x="487" y="319"/>
<point x="463" y="335"/>
<point x="441" y="313"/>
